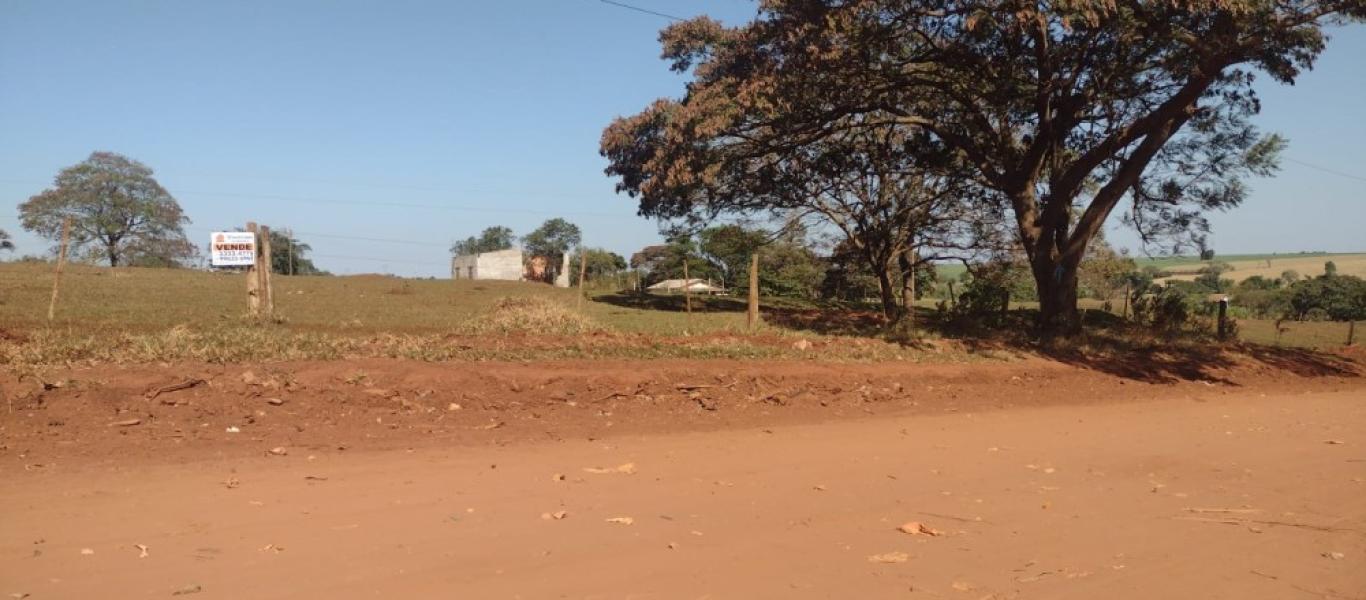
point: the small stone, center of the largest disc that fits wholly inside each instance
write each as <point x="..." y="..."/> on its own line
<point x="621" y="520"/>
<point x="126" y="423"/>
<point x="279" y="451"/>
<point x="453" y="407"/>
<point x="557" y="477"/>
<point x="274" y="401"/>
<point x="672" y="546"/>
<point x="189" y="589"/>
<point x="87" y="551"/>
<point x="1334" y="555"/>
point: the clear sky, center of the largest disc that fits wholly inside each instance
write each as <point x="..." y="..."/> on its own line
<point x="424" y="122"/>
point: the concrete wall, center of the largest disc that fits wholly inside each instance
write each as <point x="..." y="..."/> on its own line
<point x="503" y="265"/>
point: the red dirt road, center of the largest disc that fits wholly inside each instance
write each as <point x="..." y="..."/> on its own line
<point x="1200" y="491"/>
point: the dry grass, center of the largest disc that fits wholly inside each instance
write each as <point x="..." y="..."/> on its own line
<point x="533" y="316"/>
<point x="1271" y="267"/>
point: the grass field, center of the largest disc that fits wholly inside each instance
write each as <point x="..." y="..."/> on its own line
<point x="1270" y="266"/>
<point x="1244" y="265"/>
<point x="147" y="315"/>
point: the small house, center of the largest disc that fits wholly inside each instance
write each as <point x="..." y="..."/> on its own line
<point x="505" y="265"/>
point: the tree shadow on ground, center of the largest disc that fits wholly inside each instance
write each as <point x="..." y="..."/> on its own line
<point x="1110" y="344"/>
<point x="672" y="302"/>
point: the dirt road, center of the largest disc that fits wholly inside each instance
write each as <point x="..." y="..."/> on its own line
<point x="1221" y="495"/>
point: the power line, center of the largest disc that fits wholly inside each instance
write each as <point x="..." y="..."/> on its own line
<point x="1325" y="169"/>
<point x="416" y="205"/>
<point x="643" y="10"/>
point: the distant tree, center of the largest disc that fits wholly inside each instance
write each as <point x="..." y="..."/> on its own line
<point x="1257" y="282"/>
<point x="1330" y="269"/>
<point x="1207" y="254"/>
<point x="789" y="269"/>
<point x="492" y="239"/>
<point x="118" y="212"/>
<point x="1339" y="298"/>
<point x="728" y="249"/>
<point x="1211" y="277"/>
<point x="552" y="240"/>
<point x="602" y="263"/>
<point x="5" y="243"/>
<point x="289" y="256"/>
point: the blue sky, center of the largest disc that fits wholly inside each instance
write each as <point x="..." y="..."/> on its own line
<point x="424" y="122"/>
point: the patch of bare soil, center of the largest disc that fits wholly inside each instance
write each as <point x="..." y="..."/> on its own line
<point x="657" y="479"/>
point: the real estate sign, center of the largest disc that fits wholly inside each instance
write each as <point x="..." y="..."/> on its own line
<point x="232" y="249"/>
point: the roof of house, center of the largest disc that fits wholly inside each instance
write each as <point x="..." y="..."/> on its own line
<point x="693" y="285"/>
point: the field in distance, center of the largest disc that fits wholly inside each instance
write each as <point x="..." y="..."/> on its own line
<point x="1244" y="265"/>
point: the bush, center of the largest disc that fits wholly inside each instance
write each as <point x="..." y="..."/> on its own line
<point x="1168" y="310"/>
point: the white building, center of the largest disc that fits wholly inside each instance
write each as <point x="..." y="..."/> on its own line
<point x="503" y="265"/>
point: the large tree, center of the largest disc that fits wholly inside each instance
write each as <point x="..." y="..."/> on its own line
<point x="118" y="213"/>
<point x="896" y="200"/>
<point x="552" y="240"/>
<point x="492" y="239"/>
<point x="1061" y="109"/>
<point x="289" y="256"/>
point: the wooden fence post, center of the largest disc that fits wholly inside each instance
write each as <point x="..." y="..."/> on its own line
<point x="57" y="275"/>
<point x="752" y="319"/>
<point x="583" y="273"/>
<point x="1351" y="332"/>
<point x="266" y="266"/>
<point x="1127" y="293"/>
<point x="253" y="275"/>
<point x="687" y="286"/>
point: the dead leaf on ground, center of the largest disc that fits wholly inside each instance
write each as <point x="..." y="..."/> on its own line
<point x="918" y="528"/>
<point x="626" y="469"/>
<point x="890" y="557"/>
<point x="189" y="589"/>
<point x="126" y="423"/>
<point x="142" y="550"/>
<point x="621" y="520"/>
<point x="558" y="515"/>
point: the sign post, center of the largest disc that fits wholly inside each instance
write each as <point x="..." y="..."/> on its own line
<point x="239" y="249"/>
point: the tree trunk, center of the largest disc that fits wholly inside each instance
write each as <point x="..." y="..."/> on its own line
<point x="890" y="309"/>
<point x="112" y="251"/>
<point x="907" y="261"/>
<point x="1056" y="282"/>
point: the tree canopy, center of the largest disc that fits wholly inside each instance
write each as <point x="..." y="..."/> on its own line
<point x="1055" y="111"/>
<point x="5" y="242"/>
<point x="289" y="256"/>
<point x="492" y="239"/>
<point x="118" y="212"/>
